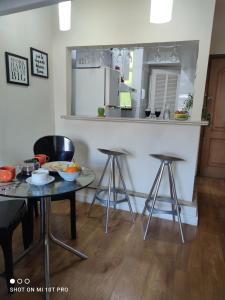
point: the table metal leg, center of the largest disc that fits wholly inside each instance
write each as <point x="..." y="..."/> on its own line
<point x="67" y="247"/>
<point x="46" y="236"/>
<point x="54" y="239"/>
<point x="44" y="204"/>
<point x="21" y="256"/>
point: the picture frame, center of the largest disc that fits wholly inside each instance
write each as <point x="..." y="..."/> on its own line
<point x="17" y="71"/>
<point x="39" y="63"/>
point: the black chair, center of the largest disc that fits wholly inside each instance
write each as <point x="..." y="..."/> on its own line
<point x="58" y="148"/>
<point x="12" y="212"/>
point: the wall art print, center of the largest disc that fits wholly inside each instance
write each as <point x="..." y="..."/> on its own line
<point x="39" y="63"/>
<point x="16" y="69"/>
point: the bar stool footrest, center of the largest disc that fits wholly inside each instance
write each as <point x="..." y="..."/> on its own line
<point x="111" y="202"/>
<point x="166" y="212"/>
<point x="164" y="199"/>
<point x="161" y="211"/>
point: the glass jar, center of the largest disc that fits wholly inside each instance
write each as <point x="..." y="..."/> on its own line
<point x="166" y="114"/>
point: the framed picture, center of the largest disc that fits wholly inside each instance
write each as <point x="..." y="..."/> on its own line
<point x="16" y="69"/>
<point x="39" y="63"/>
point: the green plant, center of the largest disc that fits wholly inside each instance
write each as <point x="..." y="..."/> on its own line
<point x="188" y="103"/>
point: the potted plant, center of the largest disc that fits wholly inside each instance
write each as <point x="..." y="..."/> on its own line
<point x="188" y="103"/>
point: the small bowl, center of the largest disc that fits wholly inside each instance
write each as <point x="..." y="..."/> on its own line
<point x="7" y="173"/>
<point x="69" y="176"/>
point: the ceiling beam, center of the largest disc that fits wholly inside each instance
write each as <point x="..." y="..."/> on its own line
<point x="13" y="6"/>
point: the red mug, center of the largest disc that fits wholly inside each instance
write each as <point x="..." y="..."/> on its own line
<point x="7" y="173"/>
<point x="42" y="158"/>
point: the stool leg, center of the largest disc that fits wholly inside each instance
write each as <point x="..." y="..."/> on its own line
<point x="125" y="189"/>
<point x="113" y="179"/>
<point x="109" y="196"/>
<point x="171" y="191"/>
<point x="152" y="189"/>
<point x="100" y="181"/>
<point x="177" y="204"/>
<point x="154" y="199"/>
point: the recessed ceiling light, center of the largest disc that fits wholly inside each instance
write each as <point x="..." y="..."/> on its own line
<point x="64" y="15"/>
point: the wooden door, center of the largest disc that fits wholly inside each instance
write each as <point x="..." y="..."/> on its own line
<point x="212" y="155"/>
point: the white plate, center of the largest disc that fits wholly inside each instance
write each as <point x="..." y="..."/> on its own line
<point x="49" y="180"/>
<point x="55" y="166"/>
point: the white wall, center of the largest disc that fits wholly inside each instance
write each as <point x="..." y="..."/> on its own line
<point x="106" y="22"/>
<point x="139" y="140"/>
<point x="26" y="113"/>
<point x="218" y="38"/>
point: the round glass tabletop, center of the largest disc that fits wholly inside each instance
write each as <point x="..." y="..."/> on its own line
<point x="21" y="189"/>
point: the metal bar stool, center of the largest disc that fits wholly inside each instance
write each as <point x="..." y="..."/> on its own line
<point x="111" y="188"/>
<point x="166" y="161"/>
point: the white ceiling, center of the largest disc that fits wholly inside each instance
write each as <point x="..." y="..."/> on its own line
<point x="13" y="6"/>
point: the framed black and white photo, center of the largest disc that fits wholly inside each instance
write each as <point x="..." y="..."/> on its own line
<point x="39" y="63"/>
<point x="16" y="69"/>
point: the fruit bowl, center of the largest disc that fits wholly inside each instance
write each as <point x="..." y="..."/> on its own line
<point x="71" y="172"/>
<point x="69" y="176"/>
<point x="181" y="115"/>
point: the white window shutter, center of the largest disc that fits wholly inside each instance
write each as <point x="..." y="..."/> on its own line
<point x="163" y="89"/>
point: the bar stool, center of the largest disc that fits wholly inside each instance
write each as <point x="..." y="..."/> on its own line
<point x="111" y="188"/>
<point x="166" y="161"/>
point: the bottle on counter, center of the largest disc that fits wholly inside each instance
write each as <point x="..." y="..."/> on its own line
<point x="166" y="114"/>
<point x="107" y="108"/>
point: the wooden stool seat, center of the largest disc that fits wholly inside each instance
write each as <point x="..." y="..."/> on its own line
<point x="111" y="152"/>
<point x="166" y="157"/>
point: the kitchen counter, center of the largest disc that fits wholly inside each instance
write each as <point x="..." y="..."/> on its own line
<point x="136" y="120"/>
<point x="140" y="137"/>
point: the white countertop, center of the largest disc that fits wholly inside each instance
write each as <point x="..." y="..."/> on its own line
<point x="136" y="120"/>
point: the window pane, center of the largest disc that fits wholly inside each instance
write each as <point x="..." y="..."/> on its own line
<point x="125" y="99"/>
<point x="129" y="81"/>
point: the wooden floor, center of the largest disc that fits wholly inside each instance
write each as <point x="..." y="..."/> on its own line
<point x="121" y="266"/>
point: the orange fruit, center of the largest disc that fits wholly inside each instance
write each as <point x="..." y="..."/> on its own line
<point x="72" y="169"/>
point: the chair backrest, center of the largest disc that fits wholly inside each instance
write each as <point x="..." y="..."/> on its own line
<point x="57" y="147"/>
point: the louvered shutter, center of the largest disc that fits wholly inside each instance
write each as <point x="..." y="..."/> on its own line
<point x="163" y="89"/>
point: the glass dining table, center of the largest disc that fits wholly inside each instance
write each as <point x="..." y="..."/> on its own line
<point x="21" y="189"/>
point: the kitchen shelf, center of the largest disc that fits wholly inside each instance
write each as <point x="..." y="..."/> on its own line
<point x="136" y="120"/>
<point x="162" y="64"/>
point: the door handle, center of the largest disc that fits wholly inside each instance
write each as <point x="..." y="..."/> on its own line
<point x="208" y="98"/>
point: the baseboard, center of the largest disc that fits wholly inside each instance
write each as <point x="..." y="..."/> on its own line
<point x="189" y="211"/>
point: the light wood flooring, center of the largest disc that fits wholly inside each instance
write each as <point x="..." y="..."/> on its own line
<point x="121" y="266"/>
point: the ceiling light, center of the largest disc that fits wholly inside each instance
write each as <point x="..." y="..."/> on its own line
<point x="161" y="11"/>
<point x="64" y="15"/>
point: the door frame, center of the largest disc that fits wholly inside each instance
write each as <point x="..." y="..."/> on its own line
<point x="211" y="57"/>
